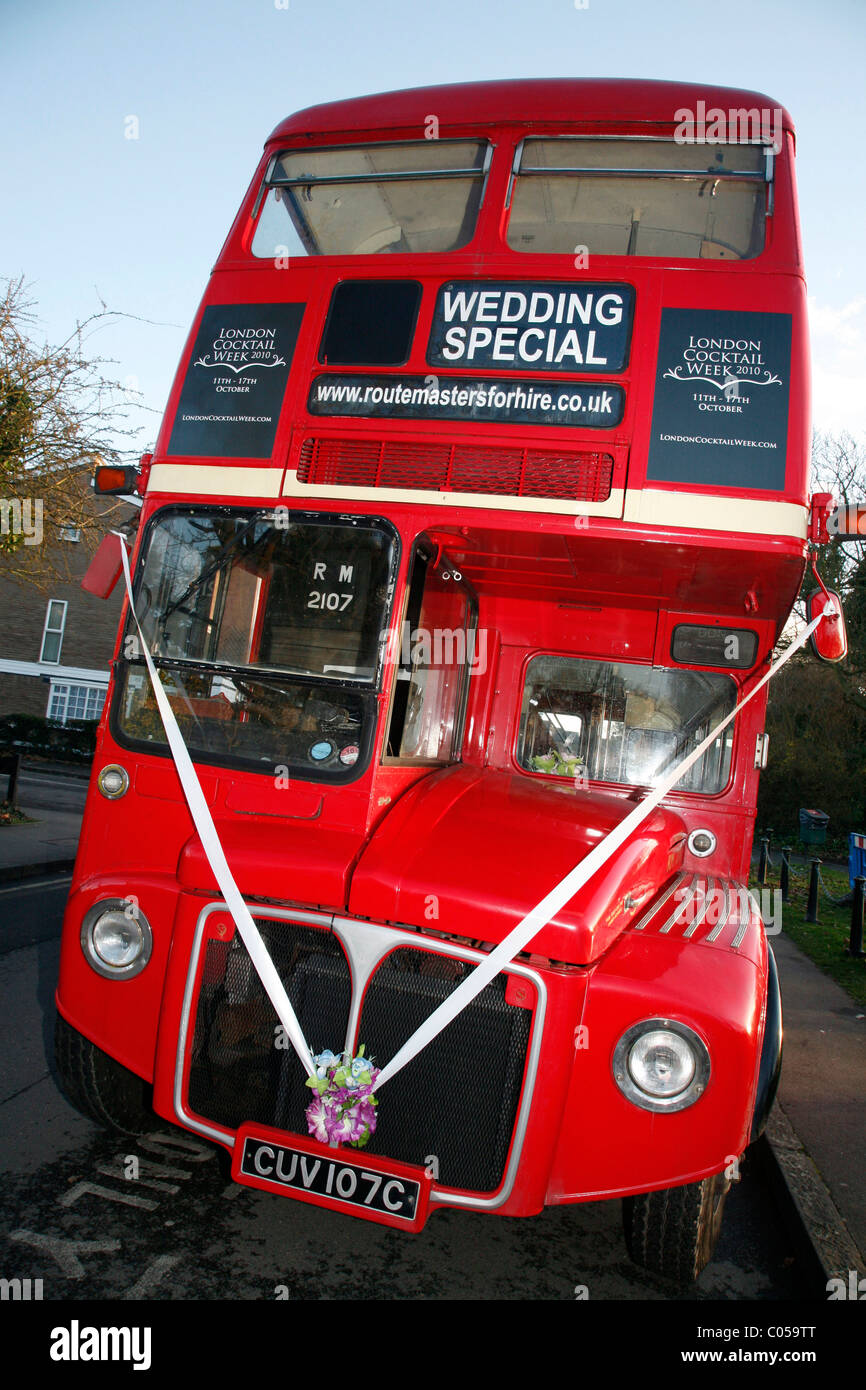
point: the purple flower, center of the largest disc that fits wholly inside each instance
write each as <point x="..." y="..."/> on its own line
<point x="367" y="1117"/>
<point x="348" y="1129"/>
<point x="345" y="1113"/>
<point x="319" y="1116"/>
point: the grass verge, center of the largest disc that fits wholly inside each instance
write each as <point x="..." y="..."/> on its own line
<point x="824" y="941"/>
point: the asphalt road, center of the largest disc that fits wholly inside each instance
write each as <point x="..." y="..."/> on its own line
<point x="49" y="790"/>
<point x="73" y="1213"/>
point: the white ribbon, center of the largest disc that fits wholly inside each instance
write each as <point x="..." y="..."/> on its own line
<point x="203" y="822"/>
<point x="565" y="890"/>
<point x="520" y="936"/>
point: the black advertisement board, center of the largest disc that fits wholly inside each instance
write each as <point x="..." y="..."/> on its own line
<point x="720" y="415"/>
<point x="233" y="390"/>
<point x="502" y="400"/>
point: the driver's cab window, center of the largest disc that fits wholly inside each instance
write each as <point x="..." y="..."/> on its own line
<point x="436" y="648"/>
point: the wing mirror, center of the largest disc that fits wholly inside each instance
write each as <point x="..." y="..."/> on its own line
<point x="829" y="640"/>
<point x="105" y="568"/>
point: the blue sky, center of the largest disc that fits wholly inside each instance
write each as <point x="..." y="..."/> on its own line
<point x="89" y="214"/>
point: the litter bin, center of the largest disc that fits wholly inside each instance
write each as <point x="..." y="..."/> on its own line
<point x="813" y="827"/>
<point x="856" y="857"/>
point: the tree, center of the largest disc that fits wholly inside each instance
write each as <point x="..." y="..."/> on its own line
<point x="58" y="414"/>
<point x="816" y="714"/>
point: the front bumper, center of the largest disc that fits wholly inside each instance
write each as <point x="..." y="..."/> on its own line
<point x="511" y="1108"/>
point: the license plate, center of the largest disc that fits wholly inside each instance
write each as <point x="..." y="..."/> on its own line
<point x="391" y="1193"/>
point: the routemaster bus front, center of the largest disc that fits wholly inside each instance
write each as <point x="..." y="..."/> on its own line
<point x="413" y="867"/>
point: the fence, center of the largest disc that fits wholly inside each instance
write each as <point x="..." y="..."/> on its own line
<point x="788" y="872"/>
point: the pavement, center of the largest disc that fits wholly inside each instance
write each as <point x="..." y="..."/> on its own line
<point x="49" y="843"/>
<point x="816" y="1134"/>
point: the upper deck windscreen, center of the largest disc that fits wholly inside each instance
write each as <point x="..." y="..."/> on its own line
<point x="642" y="197"/>
<point x="365" y="199"/>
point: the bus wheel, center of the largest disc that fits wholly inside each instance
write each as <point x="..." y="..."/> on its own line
<point x="98" y="1086"/>
<point x="674" y="1232"/>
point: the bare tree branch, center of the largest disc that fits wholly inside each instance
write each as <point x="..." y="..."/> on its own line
<point x="58" y="414"/>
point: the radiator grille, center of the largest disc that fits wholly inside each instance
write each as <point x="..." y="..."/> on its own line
<point x="582" y="476"/>
<point x="241" y="1066"/>
<point x="442" y="1103"/>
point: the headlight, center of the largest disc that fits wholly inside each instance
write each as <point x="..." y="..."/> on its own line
<point x="116" y="938"/>
<point x="661" y="1065"/>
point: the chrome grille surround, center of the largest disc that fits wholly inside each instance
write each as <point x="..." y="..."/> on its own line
<point x="366" y="944"/>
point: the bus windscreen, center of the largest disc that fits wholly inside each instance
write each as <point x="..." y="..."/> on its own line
<point x="365" y="199"/>
<point x="639" y="198"/>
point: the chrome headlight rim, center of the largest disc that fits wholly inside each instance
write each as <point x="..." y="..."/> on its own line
<point x="702" y="853"/>
<point x="124" y="781"/>
<point x="97" y="962"/>
<point x="644" y="1099"/>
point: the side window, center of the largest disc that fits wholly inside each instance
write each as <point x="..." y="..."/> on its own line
<point x="435" y="655"/>
<point x="52" y="633"/>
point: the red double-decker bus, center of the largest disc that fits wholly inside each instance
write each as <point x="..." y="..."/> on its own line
<point x="480" y="500"/>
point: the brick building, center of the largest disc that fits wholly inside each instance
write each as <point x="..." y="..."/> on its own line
<point x="56" y="642"/>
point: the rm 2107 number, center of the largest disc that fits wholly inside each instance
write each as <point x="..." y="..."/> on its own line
<point x="336" y="603"/>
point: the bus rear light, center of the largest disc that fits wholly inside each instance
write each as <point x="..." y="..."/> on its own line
<point x="116" y="938"/>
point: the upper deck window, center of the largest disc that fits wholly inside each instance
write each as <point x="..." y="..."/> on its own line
<point x="647" y="197"/>
<point x="362" y="199"/>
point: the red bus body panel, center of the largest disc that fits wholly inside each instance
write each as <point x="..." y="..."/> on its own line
<point x="447" y="859"/>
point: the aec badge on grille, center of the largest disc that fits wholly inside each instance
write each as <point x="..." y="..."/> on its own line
<point x="377" y="1189"/>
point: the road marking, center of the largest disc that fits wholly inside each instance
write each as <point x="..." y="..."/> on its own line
<point x="191" y="1150"/>
<point x="96" y="1189"/>
<point x="152" y="1275"/>
<point x="65" y="1252"/>
<point x="117" y="1172"/>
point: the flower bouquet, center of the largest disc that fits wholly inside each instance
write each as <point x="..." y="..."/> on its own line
<point x="562" y="764"/>
<point x="343" y="1111"/>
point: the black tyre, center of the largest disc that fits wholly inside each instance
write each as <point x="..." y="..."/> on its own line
<point x="674" y="1232"/>
<point x="98" y="1086"/>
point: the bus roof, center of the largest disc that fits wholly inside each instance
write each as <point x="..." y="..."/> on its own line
<point x="593" y="100"/>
